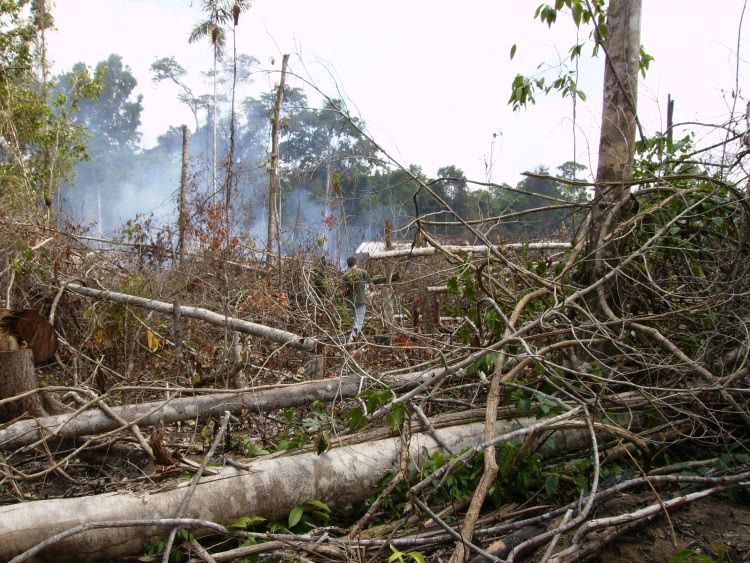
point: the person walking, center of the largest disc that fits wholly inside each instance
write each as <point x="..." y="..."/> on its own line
<point x="356" y="282"/>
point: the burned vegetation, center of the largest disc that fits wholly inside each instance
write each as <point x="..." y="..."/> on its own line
<point x="184" y="392"/>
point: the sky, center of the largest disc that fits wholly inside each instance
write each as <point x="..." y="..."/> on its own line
<point x="430" y="77"/>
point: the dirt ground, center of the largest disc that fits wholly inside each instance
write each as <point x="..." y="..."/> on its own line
<point x="716" y="527"/>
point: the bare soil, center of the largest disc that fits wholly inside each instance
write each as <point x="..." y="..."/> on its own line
<point x="716" y="527"/>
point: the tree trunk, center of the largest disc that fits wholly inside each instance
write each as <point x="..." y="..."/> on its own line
<point x="339" y="477"/>
<point x="94" y="421"/>
<point x="246" y="327"/>
<point x="274" y="184"/>
<point x="182" y="222"/>
<point x="388" y="295"/>
<point x="17" y="376"/>
<point x="213" y="165"/>
<point x="619" y="121"/>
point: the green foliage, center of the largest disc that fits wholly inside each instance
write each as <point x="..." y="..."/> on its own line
<point x="401" y="557"/>
<point x="592" y="14"/>
<point x="294" y="436"/>
<point x="303" y="517"/>
<point x="686" y="555"/>
<point x="374" y="399"/>
<point x="42" y="142"/>
<point x="246" y="522"/>
<point x="543" y="407"/>
<point x="250" y="446"/>
<point x="178" y="554"/>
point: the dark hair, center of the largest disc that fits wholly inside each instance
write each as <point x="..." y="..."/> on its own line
<point x="351" y="261"/>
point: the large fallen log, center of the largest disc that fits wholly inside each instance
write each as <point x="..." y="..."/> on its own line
<point x="246" y="327"/>
<point x="339" y="477"/>
<point x="457" y="249"/>
<point x="199" y="407"/>
<point x="260" y="399"/>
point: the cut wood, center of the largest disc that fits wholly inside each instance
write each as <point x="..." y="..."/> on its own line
<point x="261" y="331"/>
<point x="338" y="477"/>
<point x="17" y="376"/>
<point x="260" y="399"/>
<point x="95" y="421"/>
<point x="458" y="249"/>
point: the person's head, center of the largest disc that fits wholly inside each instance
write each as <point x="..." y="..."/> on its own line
<point x="351" y="262"/>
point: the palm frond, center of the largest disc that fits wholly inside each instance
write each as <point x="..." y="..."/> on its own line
<point x="200" y="31"/>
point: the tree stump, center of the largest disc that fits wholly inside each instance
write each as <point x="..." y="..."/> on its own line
<point x="17" y="376"/>
<point x="315" y="367"/>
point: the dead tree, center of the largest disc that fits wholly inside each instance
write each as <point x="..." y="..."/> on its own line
<point x="274" y="183"/>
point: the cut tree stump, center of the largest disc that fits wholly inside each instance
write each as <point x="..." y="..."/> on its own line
<point x="17" y="376"/>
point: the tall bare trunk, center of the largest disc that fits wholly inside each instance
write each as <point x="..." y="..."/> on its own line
<point x="388" y="290"/>
<point x="274" y="184"/>
<point x="213" y="167"/>
<point x="182" y="222"/>
<point x="619" y="120"/>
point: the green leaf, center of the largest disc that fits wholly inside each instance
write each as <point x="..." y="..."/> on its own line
<point x="356" y="418"/>
<point x="396" y="417"/>
<point x="245" y="521"/>
<point x="577" y="13"/>
<point x="512" y="51"/>
<point x="295" y="516"/>
<point x="453" y="285"/>
<point x="551" y="485"/>
<point x="318" y="504"/>
<point x="196" y="378"/>
<point x="523" y="405"/>
<point x="418" y="557"/>
<point x="396" y="554"/>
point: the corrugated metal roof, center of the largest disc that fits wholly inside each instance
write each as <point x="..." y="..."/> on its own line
<point x="379" y="246"/>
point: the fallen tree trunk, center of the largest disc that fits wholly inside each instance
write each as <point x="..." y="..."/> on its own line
<point x="340" y="476"/>
<point x="246" y="327"/>
<point x="95" y="421"/>
<point x="428" y="250"/>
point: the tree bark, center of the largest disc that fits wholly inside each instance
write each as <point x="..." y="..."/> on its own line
<point x="339" y="477"/>
<point x="274" y="184"/>
<point x="388" y="295"/>
<point x="182" y="225"/>
<point x="246" y="327"/>
<point x="619" y="121"/>
<point x="17" y="376"/>
<point x="200" y="407"/>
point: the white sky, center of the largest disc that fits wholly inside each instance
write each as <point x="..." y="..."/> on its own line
<point x="430" y="77"/>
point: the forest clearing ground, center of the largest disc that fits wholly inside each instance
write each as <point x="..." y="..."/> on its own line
<point x="716" y="527"/>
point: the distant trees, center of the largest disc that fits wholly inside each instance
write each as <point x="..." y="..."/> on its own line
<point x="333" y="183"/>
<point x="40" y="143"/>
<point x="112" y="121"/>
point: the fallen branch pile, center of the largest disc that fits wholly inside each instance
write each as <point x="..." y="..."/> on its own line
<point x="569" y="375"/>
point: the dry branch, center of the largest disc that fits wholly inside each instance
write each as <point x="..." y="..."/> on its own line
<point x="95" y="421"/>
<point x="261" y="331"/>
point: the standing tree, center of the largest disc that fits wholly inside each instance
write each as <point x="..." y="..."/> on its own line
<point x="619" y="36"/>
<point x="218" y="15"/>
<point x="619" y="120"/>
<point x="167" y="68"/>
<point x="274" y="185"/>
